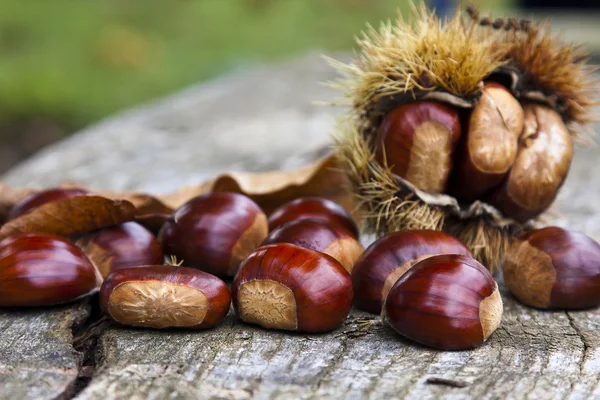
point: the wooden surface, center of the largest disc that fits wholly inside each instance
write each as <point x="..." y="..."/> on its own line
<point x="258" y="120"/>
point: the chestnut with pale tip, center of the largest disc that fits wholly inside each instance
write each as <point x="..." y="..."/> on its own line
<point x="417" y="142"/>
<point x="288" y="287"/>
<point x="540" y="168"/>
<point x="320" y="236"/>
<point x="554" y="268"/>
<point x="215" y="232"/>
<point x="315" y="208"/>
<point x="489" y="144"/>
<point x="388" y="258"/>
<point x="448" y="302"/>
<point x="46" y="196"/>
<point x="165" y="296"/>
<point x="40" y="269"/>
<point x="121" y="246"/>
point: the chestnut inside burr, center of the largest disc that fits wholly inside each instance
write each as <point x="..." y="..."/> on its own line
<point x="157" y="304"/>
<point x="269" y="304"/>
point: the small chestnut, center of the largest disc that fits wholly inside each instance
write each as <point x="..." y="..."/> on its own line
<point x="121" y="246"/>
<point x="39" y="269"/>
<point x="417" y="141"/>
<point x="554" y="268"/>
<point x="165" y="296"/>
<point x="540" y="168"/>
<point x="313" y="208"/>
<point x="489" y="144"/>
<point x="449" y="302"/>
<point x="384" y="262"/>
<point x="320" y="236"/>
<point x="37" y="199"/>
<point x="214" y="232"/>
<point x="284" y="286"/>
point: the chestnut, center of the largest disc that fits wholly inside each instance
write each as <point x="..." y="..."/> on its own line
<point x="164" y="296"/>
<point x="554" y="268"/>
<point x="313" y="208"/>
<point x="540" y="168"/>
<point x="417" y="141"/>
<point x="384" y="262"/>
<point x="214" y="232"/>
<point x="121" y="246"/>
<point x="449" y="302"/>
<point x="489" y="144"/>
<point x="40" y="269"/>
<point x="35" y="200"/>
<point x="284" y="286"/>
<point x="319" y="236"/>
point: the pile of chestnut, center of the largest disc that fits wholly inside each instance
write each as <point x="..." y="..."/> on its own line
<point x="302" y="276"/>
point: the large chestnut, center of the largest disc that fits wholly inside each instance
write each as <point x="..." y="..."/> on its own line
<point x="540" y="168"/>
<point x="489" y="144"/>
<point x="121" y="246"/>
<point x="39" y="269"/>
<point x="46" y="196"/>
<point x="448" y="302"/>
<point x="554" y="268"/>
<point x="320" y="236"/>
<point x="284" y="286"/>
<point x="388" y="258"/>
<point x="313" y="208"/>
<point x="214" y="232"/>
<point x="417" y="141"/>
<point x="165" y="296"/>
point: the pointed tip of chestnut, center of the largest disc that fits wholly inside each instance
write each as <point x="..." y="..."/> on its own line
<point x="40" y="269"/>
<point x="284" y="286"/>
<point x="417" y="141"/>
<point x="448" y="302"/>
<point x="321" y="236"/>
<point x="215" y="232"/>
<point x="162" y="296"/>
<point x="315" y="208"/>
<point x="384" y="262"/>
<point x="554" y="268"/>
<point x="37" y="199"/>
<point x="121" y="246"/>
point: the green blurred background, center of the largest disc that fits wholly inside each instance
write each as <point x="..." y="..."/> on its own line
<point x="67" y="63"/>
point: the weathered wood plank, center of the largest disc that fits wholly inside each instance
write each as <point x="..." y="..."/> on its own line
<point x="229" y="124"/>
<point x="37" y="359"/>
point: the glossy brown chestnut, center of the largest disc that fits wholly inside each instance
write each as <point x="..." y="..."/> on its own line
<point x="37" y="199"/>
<point x="121" y="246"/>
<point x="554" y="268"/>
<point x="387" y="259"/>
<point x="489" y="144"/>
<point x="284" y="286"/>
<point x="313" y="208"/>
<point x="542" y="164"/>
<point x="165" y="296"/>
<point x="448" y="302"/>
<point x="320" y="236"/>
<point x="39" y="269"/>
<point x="417" y="141"/>
<point x="215" y="232"/>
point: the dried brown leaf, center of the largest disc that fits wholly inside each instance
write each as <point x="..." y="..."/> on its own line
<point x="71" y="216"/>
<point x="269" y="189"/>
<point x="272" y="189"/>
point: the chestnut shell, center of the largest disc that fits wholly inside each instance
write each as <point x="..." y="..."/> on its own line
<point x="40" y="269"/>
